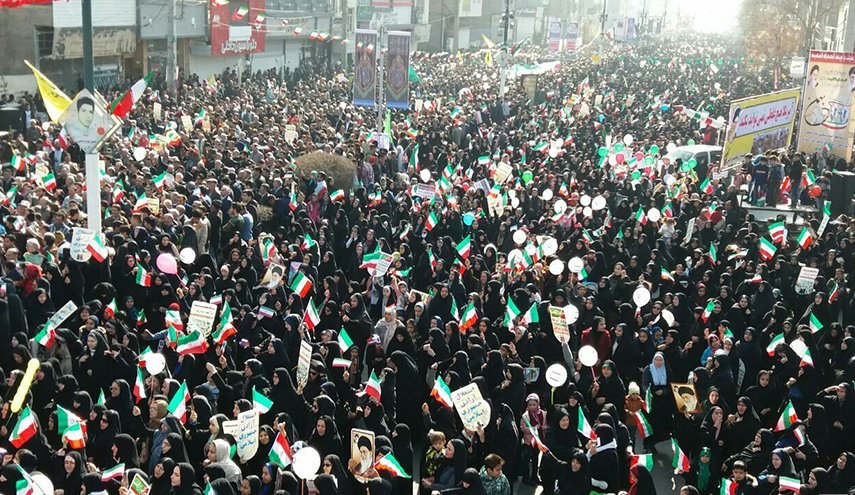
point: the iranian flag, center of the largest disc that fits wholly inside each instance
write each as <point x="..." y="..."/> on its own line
<point x="118" y="191"/>
<point x="341" y="363"/>
<point x="372" y="386"/>
<point x="777" y="339"/>
<point x="535" y="436"/>
<point x="681" y="461"/>
<point x="645" y="460"/>
<point x="640" y="216"/>
<point x="65" y="419"/>
<point x="280" y="453"/>
<point x="226" y="328"/>
<point x="194" y="343"/>
<point x="370" y="260"/>
<point x="470" y="317"/>
<point x="260" y="401"/>
<point x="666" y="275"/>
<point x="778" y="232"/>
<point x="541" y="147"/>
<point x="143" y="277"/>
<point x="173" y="319"/>
<point x="62" y="137"/>
<point x="301" y="284"/>
<point x="178" y="405"/>
<point x="431" y="221"/>
<point x="787" y="418"/>
<point x="122" y="105"/>
<point x="24" y="429"/>
<point x="139" y="386"/>
<point x="708" y="310"/>
<point x="531" y="315"/>
<point x="312" y="317"/>
<point x="97" y="248"/>
<point x="414" y="157"/>
<point x="713" y="254"/>
<point x="23" y="487"/>
<point x="728" y="487"/>
<point x="49" y="181"/>
<point x="805" y="238"/>
<point x="337" y="195"/>
<point x="74" y="437"/>
<point x="582" y="425"/>
<point x="807" y="359"/>
<point x="767" y="249"/>
<point x="464" y="247"/>
<point x="815" y="324"/>
<point x="114" y="473"/>
<point x="344" y="340"/>
<point x="483" y="159"/>
<point x="787" y="483"/>
<point x="511" y="313"/>
<point x="441" y="393"/>
<point x="266" y="312"/>
<point x="308" y="243"/>
<point x="431" y="258"/>
<point x="644" y="427"/>
<point x="110" y="310"/>
<point x="240" y="13"/>
<point x="389" y="464"/>
<point x="706" y="186"/>
<point x="46" y="336"/>
<point x="160" y="180"/>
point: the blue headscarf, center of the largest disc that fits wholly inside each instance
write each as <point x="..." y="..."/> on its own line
<point x="659" y="376"/>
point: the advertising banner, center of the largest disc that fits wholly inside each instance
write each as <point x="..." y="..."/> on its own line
<point x="759" y="124"/>
<point x="826" y="117"/>
<point x="237" y="27"/>
<point x="365" y="68"/>
<point x="397" y="70"/>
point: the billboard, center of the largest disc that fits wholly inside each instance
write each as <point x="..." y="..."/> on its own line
<point x="397" y="69"/>
<point x="758" y="124"/>
<point x="237" y="27"/>
<point x="365" y="68"/>
<point x="826" y="116"/>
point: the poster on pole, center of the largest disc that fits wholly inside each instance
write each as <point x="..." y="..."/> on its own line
<point x="303" y="363"/>
<point x="758" y="124"/>
<point x="398" y="69"/>
<point x="826" y="117"/>
<point x="571" y="36"/>
<point x="365" y="68"/>
<point x="87" y="122"/>
<point x="202" y="316"/>
<point x="553" y="33"/>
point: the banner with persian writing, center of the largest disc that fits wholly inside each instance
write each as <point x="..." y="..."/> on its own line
<point x="365" y="68"/>
<point x="759" y="124"/>
<point x="398" y="70"/>
<point x="826" y="119"/>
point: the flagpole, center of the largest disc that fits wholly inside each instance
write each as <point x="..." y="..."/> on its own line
<point x="93" y="192"/>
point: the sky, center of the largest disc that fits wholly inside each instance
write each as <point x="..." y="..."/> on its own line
<point x="712" y="17"/>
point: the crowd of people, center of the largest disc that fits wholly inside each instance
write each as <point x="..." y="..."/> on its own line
<point x="479" y="242"/>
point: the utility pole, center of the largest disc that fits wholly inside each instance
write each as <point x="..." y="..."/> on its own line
<point x="171" y="56"/>
<point x="381" y="96"/>
<point x="88" y="59"/>
<point x="603" y="18"/>
<point x="344" y="22"/>
<point x="506" y="24"/>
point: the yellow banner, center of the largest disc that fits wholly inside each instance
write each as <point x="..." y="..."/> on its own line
<point x="56" y="102"/>
<point x="826" y="119"/>
<point x="759" y="124"/>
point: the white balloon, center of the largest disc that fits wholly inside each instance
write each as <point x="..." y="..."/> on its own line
<point x="515" y="202"/>
<point x="585" y="200"/>
<point x="306" y="462"/>
<point x="187" y="256"/>
<point x="641" y="296"/>
<point x="670" y="147"/>
<point x="576" y="264"/>
<point x="588" y="212"/>
<point x="531" y="250"/>
<point x="42" y="484"/>
<point x="799" y="347"/>
<point x="139" y="154"/>
<point x="556" y="267"/>
<point x="654" y="215"/>
<point x="612" y="159"/>
<point x="557" y="143"/>
<point x="556" y="375"/>
<point x="519" y="236"/>
<point x="45" y="125"/>
<point x="512" y="193"/>
<point x="668" y="316"/>
<point x="588" y="355"/>
<point x="553" y="152"/>
<point x="571" y="314"/>
<point x="155" y="363"/>
<point x="514" y="255"/>
<point x="560" y="206"/>
<point x="598" y="203"/>
<point x="628" y="139"/>
<point x="550" y="247"/>
<point x="546" y="194"/>
<point x="424" y="175"/>
<point x="669" y="180"/>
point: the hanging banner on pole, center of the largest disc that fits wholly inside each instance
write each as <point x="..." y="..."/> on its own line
<point x="571" y="36"/>
<point x="365" y="70"/>
<point x="553" y="30"/>
<point x="398" y="69"/>
<point x="758" y="124"/>
<point x="826" y="118"/>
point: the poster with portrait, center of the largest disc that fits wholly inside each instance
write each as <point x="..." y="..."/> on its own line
<point x="87" y="122"/>
<point x="759" y="124"/>
<point x="685" y="397"/>
<point x="365" y="68"/>
<point x="827" y="98"/>
<point x="362" y="454"/>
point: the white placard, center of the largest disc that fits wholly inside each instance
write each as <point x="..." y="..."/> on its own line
<point x="503" y="172"/>
<point x="80" y="239"/>
<point x="157" y="111"/>
<point x="60" y="316"/>
<point x="470" y="406"/>
<point x="559" y="324"/>
<point x="690" y="228"/>
<point x="805" y="280"/>
<point x="425" y="191"/>
<point x="823" y="225"/>
<point x="383" y="265"/>
<point x="202" y="316"/>
<point x="247" y="434"/>
<point x="305" y="360"/>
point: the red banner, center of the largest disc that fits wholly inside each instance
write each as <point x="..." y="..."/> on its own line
<point x="237" y="27"/>
<point x="13" y="4"/>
